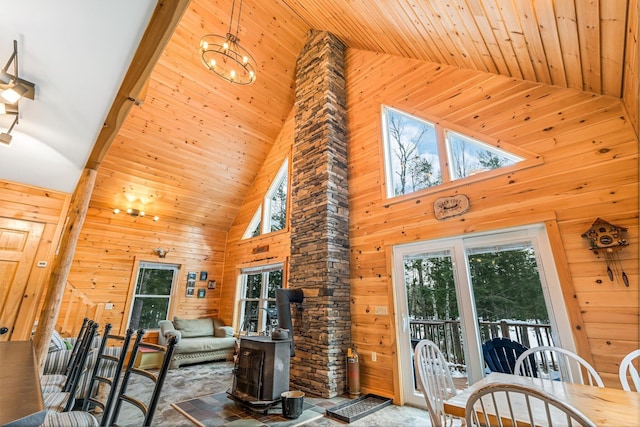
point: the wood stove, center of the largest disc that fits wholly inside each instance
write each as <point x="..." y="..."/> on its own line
<point x="261" y="373"/>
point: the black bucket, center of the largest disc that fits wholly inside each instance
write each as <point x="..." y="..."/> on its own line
<point x="292" y="402"/>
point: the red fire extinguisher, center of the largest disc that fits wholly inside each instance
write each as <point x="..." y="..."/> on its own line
<point x="353" y="371"/>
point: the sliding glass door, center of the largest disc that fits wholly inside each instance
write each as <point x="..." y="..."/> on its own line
<point x="460" y="292"/>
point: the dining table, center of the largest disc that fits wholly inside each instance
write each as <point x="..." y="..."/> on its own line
<point x="21" y="401"/>
<point x="603" y="405"/>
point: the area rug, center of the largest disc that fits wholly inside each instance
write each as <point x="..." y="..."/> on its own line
<point x="218" y="410"/>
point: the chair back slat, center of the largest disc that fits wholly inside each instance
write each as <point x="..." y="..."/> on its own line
<point x="557" y="364"/>
<point x="628" y="370"/>
<point x="434" y="379"/>
<point x="507" y="404"/>
<point x="107" y="370"/>
<point x="148" y="409"/>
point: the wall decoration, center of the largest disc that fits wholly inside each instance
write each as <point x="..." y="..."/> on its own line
<point x="211" y="284"/>
<point x="447" y="207"/>
<point x="191" y="283"/>
<point x="191" y="275"/>
<point x="190" y="292"/>
<point x="201" y="293"/>
<point x="608" y="239"/>
<point x="203" y="275"/>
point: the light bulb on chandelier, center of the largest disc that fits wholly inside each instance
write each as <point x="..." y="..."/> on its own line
<point x="224" y="56"/>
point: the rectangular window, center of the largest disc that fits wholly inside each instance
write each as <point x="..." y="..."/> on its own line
<point x="152" y="294"/>
<point x="258" y="313"/>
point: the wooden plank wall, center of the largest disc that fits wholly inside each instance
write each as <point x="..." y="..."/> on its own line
<point x="240" y="253"/>
<point x="589" y="169"/>
<point x="630" y="72"/>
<point x="110" y="245"/>
<point x="27" y="203"/>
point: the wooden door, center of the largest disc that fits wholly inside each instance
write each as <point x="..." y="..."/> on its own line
<point x="19" y="241"/>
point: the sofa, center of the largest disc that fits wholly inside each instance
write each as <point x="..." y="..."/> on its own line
<point x="199" y="340"/>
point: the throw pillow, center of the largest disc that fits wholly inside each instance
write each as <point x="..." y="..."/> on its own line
<point x="57" y="343"/>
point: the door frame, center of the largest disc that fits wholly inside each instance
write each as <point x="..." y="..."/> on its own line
<point x="552" y="291"/>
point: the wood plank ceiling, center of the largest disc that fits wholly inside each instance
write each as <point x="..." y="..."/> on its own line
<point x="193" y="148"/>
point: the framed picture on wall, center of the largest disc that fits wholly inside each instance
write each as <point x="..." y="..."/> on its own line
<point x="201" y="293"/>
<point x="203" y="275"/>
<point x="211" y="284"/>
<point x="191" y="283"/>
<point x="191" y="275"/>
<point x="190" y="292"/>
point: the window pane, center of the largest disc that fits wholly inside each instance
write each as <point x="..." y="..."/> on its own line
<point x="412" y="153"/>
<point x="468" y="156"/>
<point x="154" y="281"/>
<point x="506" y="284"/>
<point x="275" y="282"/>
<point x="148" y="311"/>
<point x="254" y="285"/>
<point x="279" y="206"/>
<point x="250" y="320"/>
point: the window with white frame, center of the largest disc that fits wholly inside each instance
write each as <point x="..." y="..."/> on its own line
<point x="271" y="215"/>
<point x="257" y="312"/>
<point x="152" y="294"/>
<point x="420" y="154"/>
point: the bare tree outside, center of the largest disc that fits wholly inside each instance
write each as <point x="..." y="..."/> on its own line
<point x="414" y="171"/>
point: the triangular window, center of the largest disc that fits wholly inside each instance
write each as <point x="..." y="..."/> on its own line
<point x="271" y="215"/>
<point x="468" y="156"/>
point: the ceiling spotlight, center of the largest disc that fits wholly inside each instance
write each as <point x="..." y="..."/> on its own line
<point x="5" y="137"/>
<point x="14" y="93"/>
<point x="135" y="213"/>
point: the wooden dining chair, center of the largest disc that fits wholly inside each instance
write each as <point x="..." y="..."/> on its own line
<point x="628" y="370"/>
<point x="558" y="364"/>
<point x="502" y="404"/>
<point x="156" y="378"/>
<point x="434" y="380"/>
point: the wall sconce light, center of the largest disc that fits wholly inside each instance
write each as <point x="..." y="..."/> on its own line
<point x="161" y="252"/>
<point x="135" y="213"/>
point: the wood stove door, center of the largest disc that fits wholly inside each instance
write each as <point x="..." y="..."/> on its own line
<point x="248" y="373"/>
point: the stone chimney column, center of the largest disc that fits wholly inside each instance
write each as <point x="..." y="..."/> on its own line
<point x="319" y="261"/>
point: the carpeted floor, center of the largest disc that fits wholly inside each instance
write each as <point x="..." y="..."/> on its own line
<point x="207" y="379"/>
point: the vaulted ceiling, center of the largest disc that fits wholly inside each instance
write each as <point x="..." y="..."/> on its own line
<point x="193" y="147"/>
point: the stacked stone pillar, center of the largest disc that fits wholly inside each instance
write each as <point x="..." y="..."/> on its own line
<point x="319" y="261"/>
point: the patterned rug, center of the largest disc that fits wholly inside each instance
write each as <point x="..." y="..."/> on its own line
<point x="219" y="410"/>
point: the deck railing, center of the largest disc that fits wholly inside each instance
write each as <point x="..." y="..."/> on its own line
<point x="447" y="334"/>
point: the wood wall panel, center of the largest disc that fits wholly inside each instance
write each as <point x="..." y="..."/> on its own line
<point x="240" y="252"/>
<point x="109" y="246"/>
<point x="630" y="72"/>
<point x="584" y="175"/>
<point x="27" y="203"/>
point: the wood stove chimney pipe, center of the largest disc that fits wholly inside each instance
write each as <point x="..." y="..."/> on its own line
<point x="284" y="298"/>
